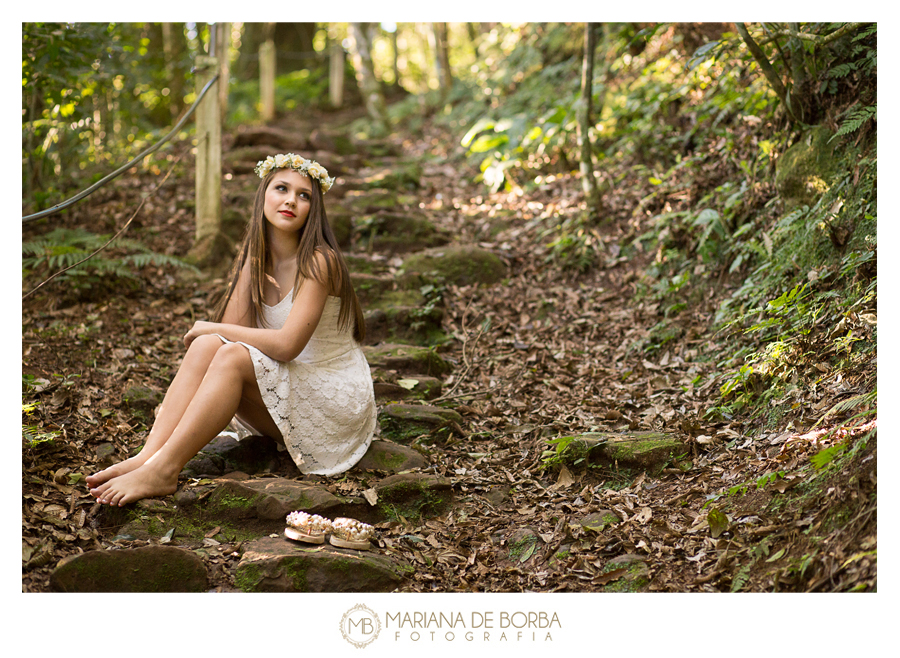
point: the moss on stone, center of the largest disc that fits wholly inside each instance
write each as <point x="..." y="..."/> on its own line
<point x="461" y="265"/>
<point x="247" y="577"/>
<point x="806" y="168"/>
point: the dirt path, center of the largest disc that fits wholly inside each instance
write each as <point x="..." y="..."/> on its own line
<point x="547" y="353"/>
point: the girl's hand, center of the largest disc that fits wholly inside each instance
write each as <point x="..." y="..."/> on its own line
<point x="200" y="328"/>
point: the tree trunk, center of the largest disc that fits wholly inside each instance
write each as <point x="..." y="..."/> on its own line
<point x="361" y="54"/>
<point x="209" y="242"/>
<point x="173" y="49"/>
<point x="267" y="74"/>
<point x="798" y="73"/>
<point x="223" y="44"/>
<point x="336" y="76"/>
<point x="767" y="68"/>
<point x="442" y="58"/>
<point x="396" y="55"/>
<point x="586" y="159"/>
<point x="473" y="38"/>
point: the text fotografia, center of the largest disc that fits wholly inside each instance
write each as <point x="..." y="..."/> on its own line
<point x="479" y="626"/>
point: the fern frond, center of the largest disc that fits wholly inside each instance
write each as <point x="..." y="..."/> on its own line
<point x="842" y="70"/>
<point x="856" y="119"/>
<point x="872" y="29"/>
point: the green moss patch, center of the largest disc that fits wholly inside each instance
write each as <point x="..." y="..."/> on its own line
<point x="461" y="265"/>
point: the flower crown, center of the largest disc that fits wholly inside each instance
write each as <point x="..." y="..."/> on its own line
<point x="297" y="163"/>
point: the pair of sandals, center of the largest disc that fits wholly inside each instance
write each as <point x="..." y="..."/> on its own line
<point x="342" y="532"/>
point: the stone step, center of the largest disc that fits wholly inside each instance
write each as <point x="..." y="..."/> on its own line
<point x="461" y="265"/>
<point x="644" y="450"/>
<point x="423" y="423"/>
<point x="408" y="324"/>
<point x="394" y="388"/>
<point x="397" y="232"/>
<point x="144" y="569"/>
<point x="279" y="565"/>
<point x="406" y="359"/>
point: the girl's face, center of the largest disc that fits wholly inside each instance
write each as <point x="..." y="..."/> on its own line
<point x="287" y="200"/>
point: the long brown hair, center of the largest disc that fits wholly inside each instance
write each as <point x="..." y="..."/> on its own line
<point x="315" y="236"/>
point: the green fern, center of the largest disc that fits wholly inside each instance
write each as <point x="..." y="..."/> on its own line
<point x="740" y="578"/>
<point x="856" y="119"/>
<point x="872" y="29"/>
<point x="62" y="248"/>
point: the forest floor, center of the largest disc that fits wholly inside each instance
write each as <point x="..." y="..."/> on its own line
<point x="548" y="353"/>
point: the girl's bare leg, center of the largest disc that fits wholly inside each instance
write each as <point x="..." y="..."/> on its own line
<point x="229" y="379"/>
<point x="181" y="391"/>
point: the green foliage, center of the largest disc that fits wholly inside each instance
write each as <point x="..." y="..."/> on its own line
<point x="856" y="119"/>
<point x="63" y="247"/>
<point x="303" y="88"/>
<point x="93" y="95"/>
<point x="33" y="434"/>
<point x="564" y="450"/>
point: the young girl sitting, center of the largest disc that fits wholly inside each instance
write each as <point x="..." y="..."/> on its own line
<point x="282" y="356"/>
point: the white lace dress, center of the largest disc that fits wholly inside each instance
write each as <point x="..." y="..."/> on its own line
<point x="323" y="401"/>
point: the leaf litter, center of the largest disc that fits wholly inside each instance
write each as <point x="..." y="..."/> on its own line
<point x="546" y="354"/>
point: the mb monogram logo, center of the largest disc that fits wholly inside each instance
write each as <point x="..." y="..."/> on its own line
<point x="360" y="626"/>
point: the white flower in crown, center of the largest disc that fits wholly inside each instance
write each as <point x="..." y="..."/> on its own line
<point x="297" y="163"/>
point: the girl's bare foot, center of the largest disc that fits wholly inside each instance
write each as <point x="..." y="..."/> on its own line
<point x="143" y="482"/>
<point x="116" y="470"/>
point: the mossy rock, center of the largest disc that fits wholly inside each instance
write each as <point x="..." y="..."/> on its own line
<point x="187" y="527"/>
<point x="417" y="387"/>
<point x="461" y="265"/>
<point x="225" y="454"/>
<point x="363" y="202"/>
<point x="410" y="324"/>
<point x="363" y="264"/>
<point x="377" y="147"/>
<point x="406" y="359"/>
<point x="599" y="520"/>
<point x="145" y="569"/>
<point x="279" y="565"/>
<point x="290" y="141"/>
<point x="390" y="457"/>
<point x="142" y="400"/>
<point x="522" y="546"/>
<point x="405" y="423"/>
<point x="342" y="225"/>
<point x="371" y="288"/>
<point x="414" y="496"/>
<point x="633" y="574"/>
<point x="806" y="169"/>
<point x="643" y="450"/>
<point x="235" y="219"/>
<point x="401" y="175"/>
<point x="397" y="233"/>
<point x="243" y="159"/>
<point x="262" y="504"/>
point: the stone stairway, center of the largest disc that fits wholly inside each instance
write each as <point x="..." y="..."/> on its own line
<point x="228" y="514"/>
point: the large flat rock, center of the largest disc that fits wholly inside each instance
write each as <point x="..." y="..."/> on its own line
<point x="264" y="503"/>
<point x="145" y="569"/>
<point x="406" y="359"/>
<point x="404" y="423"/>
<point x="390" y="457"/>
<point x="280" y="565"/>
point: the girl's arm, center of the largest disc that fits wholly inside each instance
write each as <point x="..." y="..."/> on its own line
<point x="280" y="344"/>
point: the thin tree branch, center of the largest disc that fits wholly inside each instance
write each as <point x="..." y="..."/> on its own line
<point x="113" y="238"/>
<point x="766" y="66"/>
<point x="816" y="39"/>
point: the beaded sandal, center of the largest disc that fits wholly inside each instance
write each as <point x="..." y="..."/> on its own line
<point x="309" y="528"/>
<point x="350" y="533"/>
